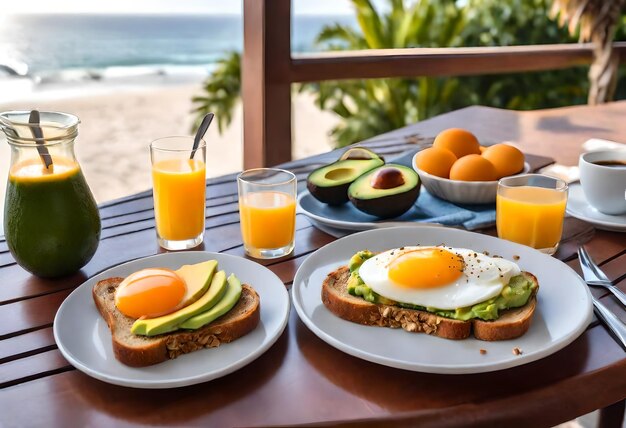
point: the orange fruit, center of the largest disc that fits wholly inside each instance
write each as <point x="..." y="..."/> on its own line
<point x="473" y="168"/>
<point x="435" y="161"/>
<point x="458" y="141"/>
<point x="507" y="160"/>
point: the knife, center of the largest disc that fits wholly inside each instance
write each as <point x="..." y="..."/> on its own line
<point x="617" y="327"/>
<point x="611" y="321"/>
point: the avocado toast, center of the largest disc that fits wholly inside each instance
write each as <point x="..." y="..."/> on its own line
<point x="226" y="311"/>
<point x="503" y="317"/>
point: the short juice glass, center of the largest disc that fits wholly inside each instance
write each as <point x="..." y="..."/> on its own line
<point x="530" y="209"/>
<point x="267" y="207"/>
<point x="178" y="178"/>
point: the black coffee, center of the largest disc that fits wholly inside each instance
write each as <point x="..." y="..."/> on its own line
<point x="612" y="163"/>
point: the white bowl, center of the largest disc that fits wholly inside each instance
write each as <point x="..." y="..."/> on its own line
<point x="461" y="192"/>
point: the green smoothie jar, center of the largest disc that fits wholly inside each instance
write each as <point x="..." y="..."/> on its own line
<point x="51" y="220"/>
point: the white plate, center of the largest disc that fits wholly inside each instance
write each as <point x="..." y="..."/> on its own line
<point x="347" y="218"/>
<point x="84" y="339"/>
<point x="579" y="207"/>
<point x="563" y="311"/>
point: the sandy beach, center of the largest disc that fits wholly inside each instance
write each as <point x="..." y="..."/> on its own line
<point x="117" y="125"/>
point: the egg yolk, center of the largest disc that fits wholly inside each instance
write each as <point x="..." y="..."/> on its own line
<point x="426" y="268"/>
<point x="150" y="293"/>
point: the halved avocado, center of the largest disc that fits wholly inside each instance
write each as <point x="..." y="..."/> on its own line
<point x="387" y="191"/>
<point x="329" y="184"/>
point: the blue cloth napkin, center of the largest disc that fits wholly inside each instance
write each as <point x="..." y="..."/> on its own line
<point x="429" y="208"/>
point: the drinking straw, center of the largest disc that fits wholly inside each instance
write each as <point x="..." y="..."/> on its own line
<point x="35" y="129"/>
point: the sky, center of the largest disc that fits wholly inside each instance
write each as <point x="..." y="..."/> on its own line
<point x="300" y="7"/>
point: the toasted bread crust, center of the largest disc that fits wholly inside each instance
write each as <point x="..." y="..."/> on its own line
<point x="141" y="351"/>
<point x="512" y="323"/>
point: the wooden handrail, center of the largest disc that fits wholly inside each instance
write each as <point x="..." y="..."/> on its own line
<point x="378" y="63"/>
<point x="269" y="69"/>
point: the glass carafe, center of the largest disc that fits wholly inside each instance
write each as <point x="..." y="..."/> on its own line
<point x="51" y="220"/>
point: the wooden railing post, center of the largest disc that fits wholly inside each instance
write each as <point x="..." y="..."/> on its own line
<point x="266" y="85"/>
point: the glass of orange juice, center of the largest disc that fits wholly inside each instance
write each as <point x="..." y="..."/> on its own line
<point x="267" y="208"/>
<point x="178" y="178"/>
<point x="530" y="209"/>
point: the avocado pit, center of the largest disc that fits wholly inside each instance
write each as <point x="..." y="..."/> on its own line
<point x="387" y="178"/>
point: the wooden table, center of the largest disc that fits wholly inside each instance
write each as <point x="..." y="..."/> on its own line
<point x="301" y="379"/>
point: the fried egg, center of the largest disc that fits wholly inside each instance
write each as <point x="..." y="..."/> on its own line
<point x="150" y="293"/>
<point x="437" y="277"/>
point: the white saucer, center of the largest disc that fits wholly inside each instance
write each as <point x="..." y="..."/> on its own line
<point x="579" y="207"/>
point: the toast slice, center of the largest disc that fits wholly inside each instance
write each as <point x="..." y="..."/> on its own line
<point x="141" y="351"/>
<point x="512" y="323"/>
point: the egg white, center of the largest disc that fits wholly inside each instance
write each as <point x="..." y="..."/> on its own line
<point x="483" y="277"/>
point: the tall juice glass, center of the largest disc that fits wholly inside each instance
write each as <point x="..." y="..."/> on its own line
<point x="530" y="209"/>
<point x="178" y="178"/>
<point x="267" y="208"/>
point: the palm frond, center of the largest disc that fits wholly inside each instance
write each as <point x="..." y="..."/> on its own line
<point x="340" y="37"/>
<point x="370" y="23"/>
<point x="221" y="92"/>
<point x="597" y="21"/>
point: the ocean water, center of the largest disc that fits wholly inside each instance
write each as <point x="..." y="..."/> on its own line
<point x="74" y="47"/>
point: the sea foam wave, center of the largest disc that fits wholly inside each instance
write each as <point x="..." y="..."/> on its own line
<point x="123" y="73"/>
<point x="81" y="81"/>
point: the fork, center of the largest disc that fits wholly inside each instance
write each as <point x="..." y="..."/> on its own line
<point x="594" y="275"/>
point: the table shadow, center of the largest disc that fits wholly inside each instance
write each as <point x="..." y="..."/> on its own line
<point x="401" y="390"/>
<point x="562" y="124"/>
<point x="175" y="406"/>
<point x="575" y="233"/>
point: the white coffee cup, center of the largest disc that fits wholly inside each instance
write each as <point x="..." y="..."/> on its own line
<point x="604" y="185"/>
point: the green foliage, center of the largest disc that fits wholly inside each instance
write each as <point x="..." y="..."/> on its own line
<point x="443" y="23"/>
<point x="221" y="91"/>
<point x="521" y="22"/>
<point x="512" y="22"/>
<point x="371" y="107"/>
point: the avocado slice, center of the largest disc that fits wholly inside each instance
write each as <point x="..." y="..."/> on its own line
<point x="228" y="301"/>
<point x="329" y="184"/>
<point x="197" y="278"/>
<point x="358" y="259"/>
<point x="170" y="322"/>
<point x="386" y="191"/>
